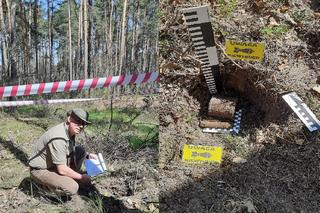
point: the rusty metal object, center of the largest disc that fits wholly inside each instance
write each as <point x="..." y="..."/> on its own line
<point x="222" y="108"/>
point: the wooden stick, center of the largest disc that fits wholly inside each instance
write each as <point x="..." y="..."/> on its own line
<point x="212" y="123"/>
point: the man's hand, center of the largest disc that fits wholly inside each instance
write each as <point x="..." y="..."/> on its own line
<point x="85" y="179"/>
<point x="66" y="171"/>
<point x="92" y="156"/>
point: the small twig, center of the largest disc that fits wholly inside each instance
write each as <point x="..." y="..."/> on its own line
<point x="111" y="112"/>
<point x="198" y="62"/>
<point x="186" y="55"/>
<point x="235" y="63"/>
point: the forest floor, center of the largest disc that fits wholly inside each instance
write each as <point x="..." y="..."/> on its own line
<point x="130" y="149"/>
<point x="273" y="164"/>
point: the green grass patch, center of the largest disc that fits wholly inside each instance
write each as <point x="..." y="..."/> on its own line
<point x="238" y="145"/>
<point x="143" y="128"/>
<point x="275" y="31"/>
<point x="12" y="173"/>
<point x="150" y="139"/>
<point x="227" y="7"/>
<point x="300" y="16"/>
<point x="20" y="132"/>
<point x="38" y="111"/>
<point x="124" y="115"/>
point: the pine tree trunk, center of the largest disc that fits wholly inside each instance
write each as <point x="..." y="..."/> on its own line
<point x="12" y="71"/>
<point x="123" y="37"/>
<point x="116" y="53"/>
<point x="155" y="54"/>
<point x="30" y="44"/>
<point x="89" y="40"/>
<point x="110" y="58"/>
<point x="50" y="38"/>
<point x="80" y="39"/>
<point x="108" y="36"/>
<point x="35" y="22"/>
<point x="134" y="37"/>
<point x="145" y="54"/>
<point x="24" y="47"/>
<point x="133" y="48"/>
<point x="70" y="40"/>
<point x="3" y="32"/>
<point x="86" y="29"/>
<point x="138" y="32"/>
<point x="45" y="63"/>
<point x="12" y="68"/>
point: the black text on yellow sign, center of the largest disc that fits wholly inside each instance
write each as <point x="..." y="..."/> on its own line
<point x="252" y="51"/>
<point x="201" y="154"/>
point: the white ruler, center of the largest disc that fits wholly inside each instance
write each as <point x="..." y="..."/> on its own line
<point x="302" y="110"/>
<point x="199" y="25"/>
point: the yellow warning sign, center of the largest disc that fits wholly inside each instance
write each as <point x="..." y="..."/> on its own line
<point x="201" y="154"/>
<point x="252" y="51"/>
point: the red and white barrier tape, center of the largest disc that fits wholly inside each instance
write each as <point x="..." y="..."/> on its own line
<point x="58" y="101"/>
<point x="65" y="86"/>
<point x="44" y="102"/>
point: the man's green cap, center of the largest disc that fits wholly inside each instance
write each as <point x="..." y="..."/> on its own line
<point x="81" y="114"/>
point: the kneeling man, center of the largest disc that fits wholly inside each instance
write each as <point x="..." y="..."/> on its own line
<point x="56" y="161"/>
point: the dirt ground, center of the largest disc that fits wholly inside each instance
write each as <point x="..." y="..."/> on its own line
<point x="272" y="165"/>
<point x="129" y="185"/>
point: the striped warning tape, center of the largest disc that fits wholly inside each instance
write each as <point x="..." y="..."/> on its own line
<point x="65" y="86"/>
<point x="58" y="101"/>
<point x="199" y="25"/>
<point x="44" y="102"/>
<point x="234" y="130"/>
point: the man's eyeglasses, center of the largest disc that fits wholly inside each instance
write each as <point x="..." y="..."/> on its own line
<point x="79" y="122"/>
